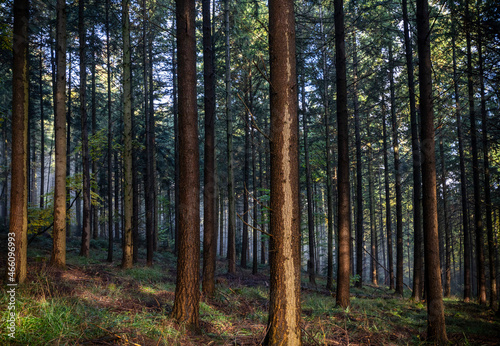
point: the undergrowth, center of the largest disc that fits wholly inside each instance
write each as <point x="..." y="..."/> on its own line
<point x="93" y="302"/>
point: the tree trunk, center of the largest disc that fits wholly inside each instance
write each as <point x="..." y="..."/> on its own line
<point x="463" y="179"/>
<point x="231" y="229"/>
<point x="58" y="256"/>
<point x="68" y="146"/>
<point x="373" y="226"/>
<point x="42" y="136"/>
<point x="284" y="304"/>
<point x="18" y="226"/>
<point x="246" y="181"/>
<point x="127" y="258"/>
<point x="487" y="186"/>
<point x="344" y="237"/>
<point x="85" y="247"/>
<point x="478" y="222"/>
<point x="187" y="292"/>
<point x="310" y="213"/>
<point x="388" y="216"/>
<point x="209" y="190"/>
<point x="359" y="174"/>
<point x="447" y="232"/>
<point x="417" y="176"/>
<point x="110" y="139"/>
<point x="397" y="173"/>
<point x="95" y="219"/>
<point x="436" y="329"/>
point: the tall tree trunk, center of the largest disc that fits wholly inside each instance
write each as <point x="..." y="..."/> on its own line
<point x="255" y="198"/>
<point x="127" y="258"/>
<point x="110" y="138"/>
<point x="417" y="176"/>
<point x="231" y="229"/>
<point x="359" y="174"/>
<point x="94" y="218"/>
<point x="148" y="178"/>
<point x="436" y="329"/>
<point x="463" y="179"/>
<point x="85" y="246"/>
<point x="246" y="181"/>
<point x="344" y="237"/>
<point x="478" y="222"/>
<point x="447" y="232"/>
<point x="187" y="292"/>
<point x="263" y="182"/>
<point x="42" y="136"/>
<point x="388" y="215"/>
<point x="397" y="173"/>
<point x="284" y="304"/>
<point x="154" y="188"/>
<point x="68" y="146"/>
<point x="487" y="187"/>
<point x="176" y="155"/>
<point x="209" y="182"/>
<point x="373" y="226"/>
<point x="310" y="213"/>
<point x="58" y="256"/>
<point x="18" y="226"/>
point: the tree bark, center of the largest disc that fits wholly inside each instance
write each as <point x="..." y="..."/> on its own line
<point x="397" y="173"/>
<point x="127" y="258"/>
<point x="85" y="246"/>
<point x="447" y="232"/>
<point x="209" y="176"/>
<point x="187" y="292"/>
<point x="58" y="256"/>
<point x="436" y="329"/>
<point x="18" y="226"/>
<point x="110" y="138"/>
<point x="478" y="222"/>
<point x="344" y="237"/>
<point x="284" y="304"/>
<point x="231" y="229"/>
<point x="388" y="216"/>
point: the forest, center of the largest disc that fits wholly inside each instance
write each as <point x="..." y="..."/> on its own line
<point x="282" y="172"/>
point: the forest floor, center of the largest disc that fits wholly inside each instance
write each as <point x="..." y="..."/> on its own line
<point x="96" y="303"/>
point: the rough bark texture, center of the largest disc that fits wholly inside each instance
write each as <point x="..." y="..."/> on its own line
<point x="127" y="141"/>
<point x="19" y="182"/>
<point x="187" y="291"/>
<point x="209" y="192"/>
<point x="58" y="256"/>
<point x="436" y="329"/>
<point x="284" y="303"/>
<point x="344" y="237"/>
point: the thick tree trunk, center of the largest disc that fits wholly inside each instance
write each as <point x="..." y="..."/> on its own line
<point x="18" y="226"/>
<point x="344" y="237"/>
<point x="187" y="291"/>
<point x="127" y="258"/>
<point x="58" y="256"/>
<point x="85" y="246"/>
<point x="436" y="329"/>
<point x="209" y="191"/>
<point x="284" y="304"/>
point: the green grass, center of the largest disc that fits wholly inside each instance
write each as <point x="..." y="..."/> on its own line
<point x="96" y="302"/>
